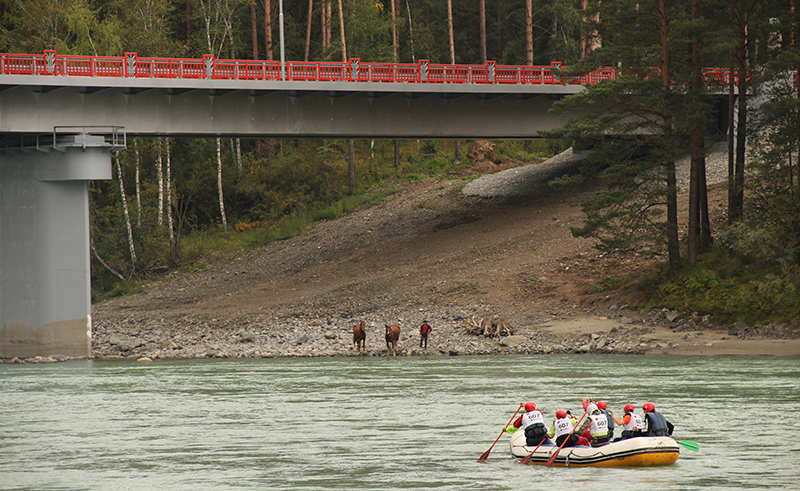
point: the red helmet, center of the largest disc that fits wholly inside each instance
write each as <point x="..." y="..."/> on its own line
<point x="561" y="414"/>
<point x="649" y="407"/>
<point x="530" y="406"/>
<point x="601" y="404"/>
<point x="628" y="408"/>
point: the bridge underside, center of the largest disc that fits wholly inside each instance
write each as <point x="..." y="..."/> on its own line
<point x="272" y="109"/>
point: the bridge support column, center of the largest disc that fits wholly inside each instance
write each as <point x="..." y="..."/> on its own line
<point x="45" y="291"/>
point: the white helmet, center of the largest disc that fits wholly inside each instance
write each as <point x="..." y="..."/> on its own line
<point x="591" y="408"/>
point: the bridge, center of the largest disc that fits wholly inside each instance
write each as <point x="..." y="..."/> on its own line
<point x="61" y="117"/>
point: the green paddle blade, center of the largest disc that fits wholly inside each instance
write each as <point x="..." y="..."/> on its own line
<point x="693" y="446"/>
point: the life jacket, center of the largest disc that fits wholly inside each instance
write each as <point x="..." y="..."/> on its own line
<point x="563" y="426"/>
<point x="656" y="424"/>
<point x="634" y="423"/>
<point x="598" y="425"/>
<point x="532" y="417"/>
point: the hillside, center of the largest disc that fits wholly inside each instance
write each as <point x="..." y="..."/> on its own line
<point x="427" y="252"/>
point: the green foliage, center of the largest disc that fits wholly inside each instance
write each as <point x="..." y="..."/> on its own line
<point x="729" y="287"/>
<point x="119" y="289"/>
<point x="607" y="283"/>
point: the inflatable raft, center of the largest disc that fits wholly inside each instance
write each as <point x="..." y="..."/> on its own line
<point x="632" y="452"/>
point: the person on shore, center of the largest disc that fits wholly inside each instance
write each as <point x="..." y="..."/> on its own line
<point x="631" y="423"/>
<point x="611" y="419"/>
<point x="656" y="423"/>
<point x="561" y="430"/>
<point x="532" y="423"/>
<point x="597" y="432"/>
<point x="424" y="330"/>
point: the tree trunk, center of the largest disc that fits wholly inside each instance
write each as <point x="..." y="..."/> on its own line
<point x="395" y="46"/>
<point x="397" y="152"/>
<point x="529" y="31"/>
<point x="705" y="219"/>
<point x="694" y="203"/>
<point x="583" y="33"/>
<point x="458" y="151"/>
<point x="696" y="145"/>
<point x="341" y="32"/>
<point x="239" y="156"/>
<point x="254" y="28"/>
<point x="188" y="20"/>
<point x="372" y="156"/>
<point x="673" y="244"/>
<point x="160" y="178"/>
<point x="450" y="30"/>
<point x="352" y="165"/>
<point x="219" y="187"/>
<point x="411" y="33"/>
<point x="174" y="253"/>
<point x="268" y="28"/>
<point x="308" y="29"/>
<point x="482" y="20"/>
<point x="736" y="208"/>
<point x="731" y="127"/>
<point x="327" y="11"/>
<point x="528" y="48"/>
<point x="125" y="212"/>
<point x="138" y="184"/>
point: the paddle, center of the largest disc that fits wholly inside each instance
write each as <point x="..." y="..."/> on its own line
<point x="555" y="454"/>
<point x="527" y="458"/>
<point x="486" y="453"/>
<point x="693" y="446"/>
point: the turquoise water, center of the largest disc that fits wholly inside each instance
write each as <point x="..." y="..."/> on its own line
<point x="381" y="423"/>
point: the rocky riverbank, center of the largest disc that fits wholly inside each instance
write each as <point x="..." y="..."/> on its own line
<point x="620" y="332"/>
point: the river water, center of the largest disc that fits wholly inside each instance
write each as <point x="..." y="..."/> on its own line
<point x="381" y="423"/>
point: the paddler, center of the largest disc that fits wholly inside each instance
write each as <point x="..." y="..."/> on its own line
<point x="532" y="422"/>
<point x="631" y="423"/>
<point x="561" y="429"/>
<point x="597" y="432"/>
<point x="657" y="424"/>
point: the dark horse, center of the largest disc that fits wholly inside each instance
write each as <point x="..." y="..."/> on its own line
<point x="360" y="337"/>
<point x="392" y="335"/>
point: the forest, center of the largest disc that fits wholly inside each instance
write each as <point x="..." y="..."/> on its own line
<point x="174" y="199"/>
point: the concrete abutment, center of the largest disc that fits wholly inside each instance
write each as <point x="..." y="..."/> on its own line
<point x="45" y="279"/>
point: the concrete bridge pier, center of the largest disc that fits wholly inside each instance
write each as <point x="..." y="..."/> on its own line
<point x="45" y="291"/>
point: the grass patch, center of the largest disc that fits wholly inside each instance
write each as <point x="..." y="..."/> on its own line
<point x="606" y="284"/>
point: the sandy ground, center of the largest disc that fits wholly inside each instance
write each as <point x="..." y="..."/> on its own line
<point x="705" y="342"/>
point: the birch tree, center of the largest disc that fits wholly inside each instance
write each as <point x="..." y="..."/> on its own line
<point x="125" y="212"/>
<point x="160" y="182"/>
<point x="173" y="248"/>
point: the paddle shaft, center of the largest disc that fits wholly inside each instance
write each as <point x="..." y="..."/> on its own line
<point x="527" y="459"/>
<point x="486" y="453"/>
<point x="553" y="457"/>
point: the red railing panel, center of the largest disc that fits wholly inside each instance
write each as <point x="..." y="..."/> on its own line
<point x="130" y="65"/>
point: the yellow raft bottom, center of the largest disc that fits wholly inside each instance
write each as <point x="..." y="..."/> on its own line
<point x="641" y="460"/>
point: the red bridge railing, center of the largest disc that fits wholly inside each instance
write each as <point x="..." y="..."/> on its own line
<point x="131" y="65"/>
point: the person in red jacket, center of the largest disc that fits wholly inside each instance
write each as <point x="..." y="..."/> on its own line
<point x="424" y="330"/>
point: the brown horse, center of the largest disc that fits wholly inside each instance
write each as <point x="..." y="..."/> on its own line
<point x="360" y="337"/>
<point x="392" y="335"/>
